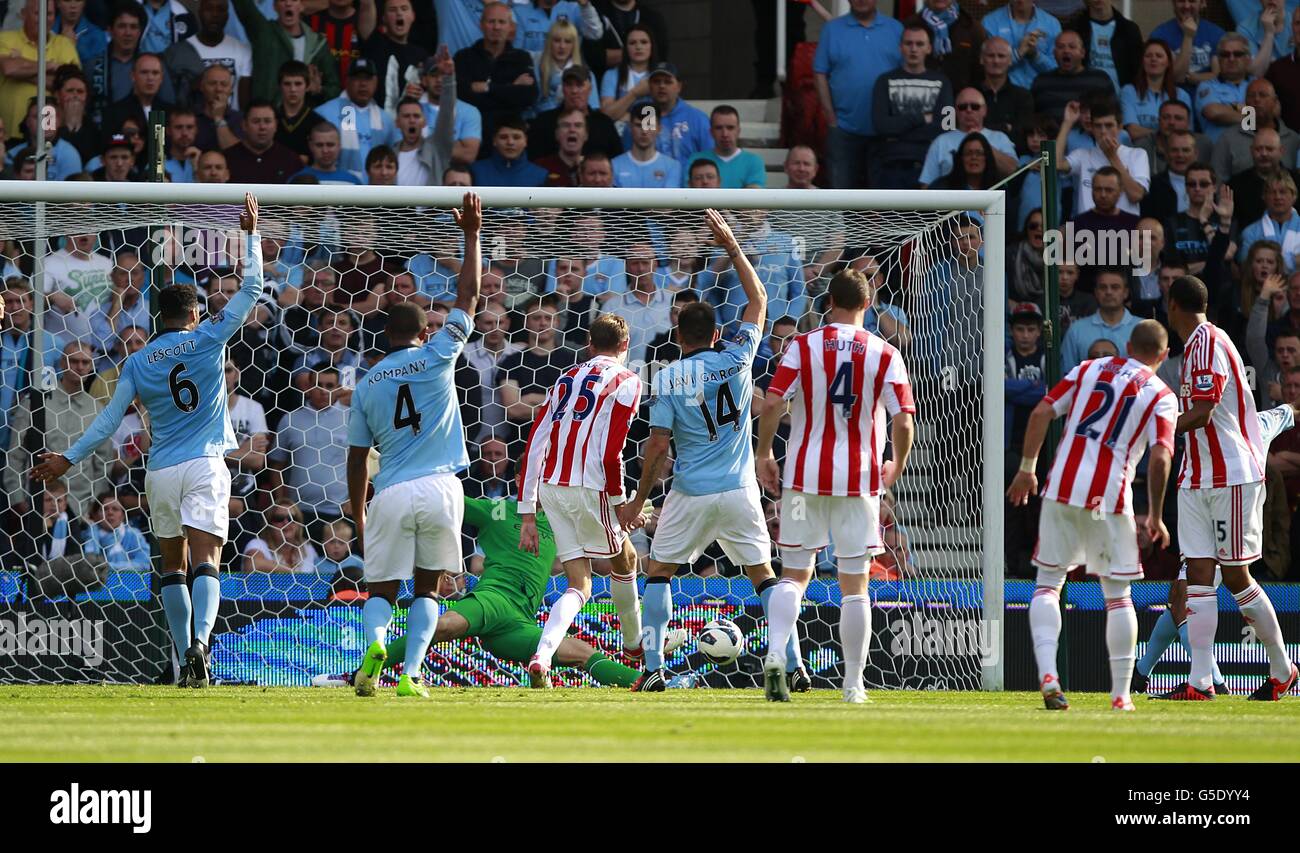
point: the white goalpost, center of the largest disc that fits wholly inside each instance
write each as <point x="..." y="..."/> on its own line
<point x="941" y="294"/>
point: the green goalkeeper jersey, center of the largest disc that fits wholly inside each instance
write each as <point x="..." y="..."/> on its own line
<point x="519" y="576"/>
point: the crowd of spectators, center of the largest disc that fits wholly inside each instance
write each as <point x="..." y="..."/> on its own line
<point x="1181" y="138"/>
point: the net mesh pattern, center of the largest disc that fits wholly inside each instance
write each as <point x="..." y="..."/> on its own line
<point x="77" y="563"/>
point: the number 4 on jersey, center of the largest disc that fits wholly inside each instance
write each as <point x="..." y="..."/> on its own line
<point x="404" y="413"/>
<point x="841" y="390"/>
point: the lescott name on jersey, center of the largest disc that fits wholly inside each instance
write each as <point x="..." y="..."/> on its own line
<point x="162" y="353"/>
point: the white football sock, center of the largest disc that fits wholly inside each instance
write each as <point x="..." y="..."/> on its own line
<point x="557" y="623"/>
<point x="855" y="637"/>
<point x="1121" y="635"/>
<point x="622" y="588"/>
<point x="1202" y="625"/>
<point x="1045" y="627"/>
<point x="782" y="614"/>
<point x="1258" y="611"/>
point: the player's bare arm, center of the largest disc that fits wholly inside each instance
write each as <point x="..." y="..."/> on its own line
<point x="1195" y="417"/>
<point x="469" y="219"/>
<point x="1026" y="479"/>
<point x="358" y="473"/>
<point x="1158" y="468"/>
<point x="755" y="294"/>
<point x="656" y="450"/>
<point x="248" y="217"/>
<point x="769" y="473"/>
<point x="902" y="433"/>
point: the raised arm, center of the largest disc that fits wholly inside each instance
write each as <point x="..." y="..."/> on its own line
<point x="470" y="220"/>
<point x="755" y="294"/>
<point x="224" y="325"/>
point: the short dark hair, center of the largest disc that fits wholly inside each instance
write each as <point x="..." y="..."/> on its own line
<point x="181" y="111"/>
<point x="1173" y="258"/>
<point x="1190" y="294"/>
<point x="511" y="121"/>
<point x="1122" y="273"/>
<point x="323" y="126"/>
<point x="293" y="68"/>
<point x="1106" y="172"/>
<point x="1199" y="166"/>
<point x="457" y="166"/>
<point x="128" y="7"/>
<point x="850" y="289"/>
<point x="177" y="301"/>
<point x="607" y="333"/>
<point x="916" y="22"/>
<point x="685" y="295"/>
<point x="1174" y="102"/>
<point x="785" y="320"/>
<point x="405" y="320"/>
<point x="258" y="104"/>
<point x="724" y="110"/>
<point x="407" y="99"/>
<point x="696" y="324"/>
<point x="1101" y="104"/>
<point x="380" y="152"/>
<point x="699" y="163"/>
<point x="67" y="72"/>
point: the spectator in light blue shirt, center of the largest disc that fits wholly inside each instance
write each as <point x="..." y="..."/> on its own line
<point x="737" y="168"/>
<point x="643" y="166"/>
<point x="1219" y="101"/>
<point x="1112" y="322"/>
<point x="683" y="129"/>
<point x="323" y="143"/>
<point x="1031" y="32"/>
<point x="1152" y="86"/>
<point x="532" y="22"/>
<point x="361" y="123"/>
<point x="467" y="124"/>
<point x="852" y="52"/>
<point x="125" y="304"/>
<point x="458" y="23"/>
<point x="91" y="40"/>
<point x="1204" y="42"/>
<point x="1280" y="223"/>
<point x="15" y="351"/>
<point x="168" y="21"/>
<point x="121" y="544"/>
<point x="971" y="111"/>
<point x="1248" y="15"/>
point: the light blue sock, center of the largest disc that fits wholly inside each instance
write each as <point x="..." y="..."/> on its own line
<point x="176" y="604"/>
<point x="1182" y="638"/>
<point x="207" y="597"/>
<point x="1163" y="635"/>
<point x="421" y="622"/>
<point x="656" y="611"/>
<point x="376" y="616"/>
<point x="792" y="647"/>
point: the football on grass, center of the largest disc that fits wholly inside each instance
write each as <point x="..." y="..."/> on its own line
<point x="721" y="641"/>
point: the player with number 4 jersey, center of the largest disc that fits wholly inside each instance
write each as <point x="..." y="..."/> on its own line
<point x="1114" y="409"/>
<point x="406" y="407"/>
<point x="845" y="384"/>
<point x="179" y="377"/>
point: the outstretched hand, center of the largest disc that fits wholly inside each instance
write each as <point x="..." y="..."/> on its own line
<point x="52" y="466"/>
<point x="470" y="217"/>
<point x="248" y="218"/>
<point x="722" y="234"/>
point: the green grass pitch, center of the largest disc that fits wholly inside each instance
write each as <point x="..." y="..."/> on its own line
<point x="127" y="723"/>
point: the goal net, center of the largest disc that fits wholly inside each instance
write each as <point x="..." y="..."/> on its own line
<point x="78" y="586"/>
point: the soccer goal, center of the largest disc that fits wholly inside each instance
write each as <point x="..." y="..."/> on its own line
<point x="83" y="260"/>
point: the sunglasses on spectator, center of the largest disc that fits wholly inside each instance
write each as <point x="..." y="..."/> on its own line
<point x="1233" y="54"/>
<point x="279" y="517"/>
<point x="969" y="106"/>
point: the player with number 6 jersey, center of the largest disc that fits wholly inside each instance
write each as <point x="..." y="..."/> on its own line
<point x="179" y="376"/>
<point x="845" y="384"/>
<point x="406" y="407"/>
<point x="573" y="467"/>
<point x="1114" y="409"/>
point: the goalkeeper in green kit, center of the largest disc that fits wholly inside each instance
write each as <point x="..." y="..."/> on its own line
<point x="501" y="610"/>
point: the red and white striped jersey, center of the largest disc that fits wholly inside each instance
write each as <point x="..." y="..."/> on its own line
<point x="1115" y="408"/>
<point x="843" y="381"/>
<point x="1229" y="450"/>
<point x="579" y="431"/>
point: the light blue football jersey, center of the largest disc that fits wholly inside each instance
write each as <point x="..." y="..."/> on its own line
<point x="180" y="377"/>
<point x="705" y="400"/>
<point x="406" y="406"/>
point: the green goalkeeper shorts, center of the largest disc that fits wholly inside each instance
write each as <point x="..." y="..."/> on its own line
<point x="500" y="625"/>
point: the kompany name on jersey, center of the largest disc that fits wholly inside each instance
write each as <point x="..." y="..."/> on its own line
<point x="396" y="372"/>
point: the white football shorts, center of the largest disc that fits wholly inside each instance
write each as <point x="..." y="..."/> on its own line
<point x="1070" y="536"/>
<point x="583" y="521"/>
<point x="688" y="524"/>
<point x="194" y="493"/>
<point x="1225" y="524"/>
<point x="810" y="522"/>
<point x="415" y="525"/>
